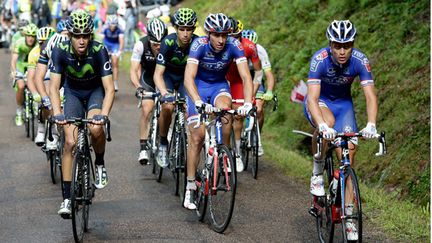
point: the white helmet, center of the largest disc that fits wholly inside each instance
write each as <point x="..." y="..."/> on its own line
<point x="341" y="31"/>
<point x="165" y="9"/>
<point x="156" y="30"/>
<point x="154" y="13"/>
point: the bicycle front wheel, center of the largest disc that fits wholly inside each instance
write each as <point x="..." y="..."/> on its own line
<point x="54" y="167"/>
<point x="254" y="150"/>
<point x="222" y="189"/>
<point x="78" y="205"/>
<point x="182" y="162"/>
<point x="353" y="211"/>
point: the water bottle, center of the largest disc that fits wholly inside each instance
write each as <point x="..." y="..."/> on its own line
<point x="209" y="156"/>
<point x="334" y="183"/>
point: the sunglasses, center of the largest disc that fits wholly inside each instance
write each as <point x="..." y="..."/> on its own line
<point x="345" y="46"/>
<point x="156" y="43"/>
<point x="86" y="37"/>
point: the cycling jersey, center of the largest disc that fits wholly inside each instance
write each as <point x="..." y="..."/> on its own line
<point x="22" y="49"/>
<point x="336" y="83"/>
<point x="266" y="66"/>
<point x="233" y="76"/>
<point x="142" y="53"/>
<point x="45" y="55"/>
<point x="172" y="56"/>
<point x="16" y="36"/>
<point x="336" y="80"/>
<point x="112" y="37"/>
<point x="212" y="68"/>
<point x="85" y="73"/>
<point x="34" y="57"/>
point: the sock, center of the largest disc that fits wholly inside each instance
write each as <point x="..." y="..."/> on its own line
<point x="163" y="140"/>
<point x="66" y="189"/>
<point x="19" y="110"/>
<point x="191" y="184"/>
<point x="100" y="158"/>
<point x="41" y="127"/>
<point x="143" y="144"/>
<point x="318" y="167"/>
<point x="238" y="146"/>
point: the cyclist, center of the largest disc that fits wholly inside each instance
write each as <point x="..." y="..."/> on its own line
<point x="20" y="33"/>
<point x="262" y="93"/>
<point x="113" y="39"/>
<point x="329" y="107"/>
<point x="236" y="82"/>
<point x="143" y="63"/>
<point x="88" y="88"/>
<point x="42" y="36"/>
<point x="42" y="72"/>
<point x="169" y="72"/>
<point x="207" y="65"/>
<point x="19" y="66"/>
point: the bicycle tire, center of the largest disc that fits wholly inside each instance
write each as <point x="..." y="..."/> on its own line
<point x="356" y="216"/>
<point x="244" y="149"/>
<point x="53" y="165"/>
<point x="26" y="117"/>
<point x="201" y="197"/>
<point x="221" y="210"/>
<point x="78" y="206"/>
<point x="182" y="161"/>
<point x="254" y="150"/>
<point x="32" y="122"/>
<point x="173" y="153"/>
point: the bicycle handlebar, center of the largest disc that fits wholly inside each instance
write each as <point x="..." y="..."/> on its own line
<point x="77" y="121"/>
<point x="146" y="94"/>
<point x="382" y="150"/>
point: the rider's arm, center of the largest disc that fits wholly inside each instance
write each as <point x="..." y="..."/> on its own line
<point x="158" y="79"/>
<point x="135" y="70"/>
<point x="30" y="80"/>
<point x="270" y="80"/>
<point x="41" y="70"/>
<point x="121" y="42"/>
<point x="313" y="92"/>
<point x="108" y="100"/>
<point x="189" y="80"/>
<point x="247" y="80"/>
<point x="371" y="103"/>
<point x="14" y="60"/>
<point x="54" y="86"/>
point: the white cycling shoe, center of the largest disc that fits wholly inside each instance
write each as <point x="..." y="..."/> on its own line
<point x="317" y="186"/>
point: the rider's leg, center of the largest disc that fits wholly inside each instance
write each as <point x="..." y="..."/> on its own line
<point x="115" y="69"/>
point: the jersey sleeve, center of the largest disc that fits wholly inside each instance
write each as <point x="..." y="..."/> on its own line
<point x="163" y="53"/>
<point x="43" y="55"/>
<point x="264" y="58"/>
<point x="137" y="52"/>
<point x="197" y="49"/>
<point x="252" y="52"/>
<point x="363" y="68"/>
<point x="104" y="62"/>
<point x="33" y="57"/>
<point x="317" y="67"/>
<point x="237" y="51"/>
<point x="56" y="61"/>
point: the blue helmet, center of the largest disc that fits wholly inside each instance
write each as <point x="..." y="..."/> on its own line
<point x="250" y="35"/>
<point x="61" y="26"/>
<point x="341" y="31"/>
<point x="218" y="23"/>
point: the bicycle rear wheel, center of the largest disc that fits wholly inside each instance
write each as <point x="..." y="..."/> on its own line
<point x="32" y="122"/>
<point x="222" y="189"/>
<point x="182" y="163"/>
<point x="355" y="216"/>
<point x="54" y="166"/>
<point x="244" y="149"/>
<point x="254" y="150"/>
<point x="26" y="117"/>
<point x="78" y="205"/>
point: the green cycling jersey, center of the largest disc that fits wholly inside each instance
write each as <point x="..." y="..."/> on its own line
<point x="23" y="50"/>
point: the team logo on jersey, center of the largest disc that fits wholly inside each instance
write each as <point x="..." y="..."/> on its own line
<point x="323" y="55"/>
<point x="179" y="61"/>
<point x="238" y="44"/>
<point x="225" y="56"/>
<point x="107" y="66"/>
<point x="365" y="63"/>
<point x="331" y="72"/>
<point x="169" y="42"/>
<point x="79" y="74"/>
<point x="97" y="48"/>
<point x="63" y="46"/>
<point x="160" y="58"/>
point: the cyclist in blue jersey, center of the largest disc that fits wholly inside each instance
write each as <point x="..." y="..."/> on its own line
<point x="143" y="64"/>
<point x="113" y="39"/>
<point x="169" y="72"/>
<point x="329" y="106"/>
<point x="88" y="88"/>
<point x="209" y="59"/>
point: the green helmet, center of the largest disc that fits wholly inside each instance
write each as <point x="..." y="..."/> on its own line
<point x="80" y="22"/>
<point x="31" y="30"/>
<point x="185" y="17"/>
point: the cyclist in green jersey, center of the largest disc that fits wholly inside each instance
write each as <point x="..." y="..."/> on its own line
<point x="20" y="33"/>
<point x="19" y="66"/>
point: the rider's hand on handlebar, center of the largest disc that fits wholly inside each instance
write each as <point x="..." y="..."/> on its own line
<point x="369" y="131"/>
<point x="99" y="119"/>
<point x="139" y="91"/>
<point x="207" y="108"/>
<point x="59" y="119"/>
<point x="268" y="95"/>
<point x="168" y="98"/>
<point x="328" y="132"/>
<point x="244" y="109"/>
<point x="46" y="102"/>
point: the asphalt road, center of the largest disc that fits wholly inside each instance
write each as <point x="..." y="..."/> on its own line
<point x="134" y="207"/>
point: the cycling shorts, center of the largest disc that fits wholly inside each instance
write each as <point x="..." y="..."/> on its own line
<point x="261" y="90"/>
<point x="208" y="92"/>
<point x="343" y="112"/>
<point x="148" y="85"/>
<point x="78" y="102"/>
<point x="237" y="89"/>
<point x="113" y="48"/>
<point x="174" y="82"/>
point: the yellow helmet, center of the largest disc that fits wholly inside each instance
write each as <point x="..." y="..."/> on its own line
<point x="165" y="18"/>
<point x="91" y="8"/>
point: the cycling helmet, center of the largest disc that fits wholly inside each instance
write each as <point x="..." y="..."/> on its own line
<point x="61" y="26"/>
<point x="80" y="22"/>
<point x="22" y="23"/>
<point x="156" y="30"/>
<point x="112" y="20"/>
<point x="165" y="18"/>
<point x="31" y="30"/>
<point x="44" y="33"/>
<point x="91" y="8"/>
<point x="185" y="17"/>
<point x="341" y="31"/>
<point x="218" y="23"/>
<point x="250" y="35"/>
<point x="237" y="26"/>
<point x="54" y="41"/>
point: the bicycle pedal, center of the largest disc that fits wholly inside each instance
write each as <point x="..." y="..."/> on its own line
<point x="66" y="216"/>
<point x="313" y="211"/>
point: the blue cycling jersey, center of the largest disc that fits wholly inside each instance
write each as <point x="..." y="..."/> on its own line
<point x="112" y="36"/>
<point x="213" y="66"/>
<point x="336" y="79"/>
